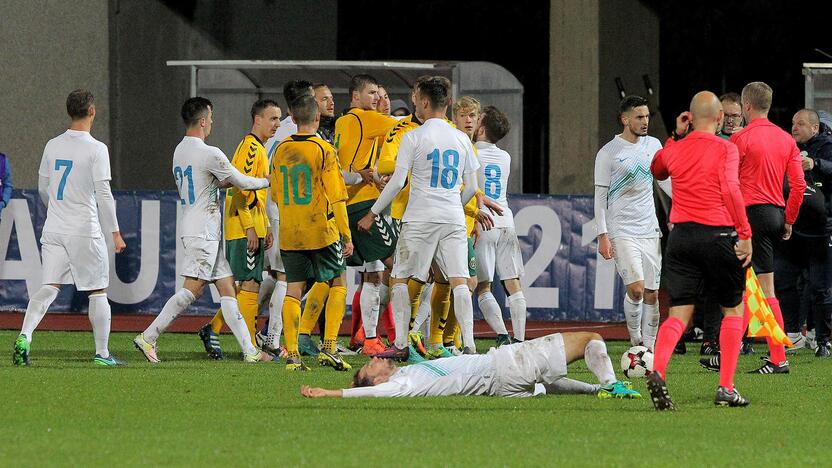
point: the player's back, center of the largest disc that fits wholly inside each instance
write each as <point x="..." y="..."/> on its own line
<point x="196" y="168"/>
<point x="765" y="151"/>
<point x="492" y="176"/>
<point x="73" y="162"/>
<point x="302" y="167"/>
<point x="437" y="155"/>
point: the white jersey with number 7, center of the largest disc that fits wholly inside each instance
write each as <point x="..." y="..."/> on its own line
<point x="437" y="156"/>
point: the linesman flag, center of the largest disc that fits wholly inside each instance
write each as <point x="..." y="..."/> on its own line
<point x="761" y="321"/>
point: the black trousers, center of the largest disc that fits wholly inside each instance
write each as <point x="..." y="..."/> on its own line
<point x="805" y="262"/>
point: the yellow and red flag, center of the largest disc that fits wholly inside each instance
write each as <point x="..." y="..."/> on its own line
<point x="761" y="321"/>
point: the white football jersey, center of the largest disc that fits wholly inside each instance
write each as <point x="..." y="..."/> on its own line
<point x="197" y="171"/>
<point x="73" y="161"/>
<point x="492" y="178"/>
<point x="624" y="168"/>
<point x="437" y="156"/>
<point x="286" y="129"/>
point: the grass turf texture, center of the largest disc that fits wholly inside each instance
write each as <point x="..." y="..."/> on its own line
<point x="189" y="410"/>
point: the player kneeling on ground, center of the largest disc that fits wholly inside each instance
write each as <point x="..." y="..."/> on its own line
<point x="508" y="371"/>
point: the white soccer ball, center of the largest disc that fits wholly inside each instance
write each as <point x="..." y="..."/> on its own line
<point x="637" y="362"/>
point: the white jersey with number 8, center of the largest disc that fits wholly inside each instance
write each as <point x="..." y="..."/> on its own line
<point x="492" y="178"/>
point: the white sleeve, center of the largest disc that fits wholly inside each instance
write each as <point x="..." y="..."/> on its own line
<point x="469" y="173"/>
<point x="603" y="169"/>
<point x="406" y="153"/>
<point x="228" y="175"/>
<point x="601" y="209"/>
<point x="387" y="389"/>
<point x="101" y="168"/>
<point x="272" y="212"/>
<point x="43" y="190"/>
<point x="351" y="178"/>
<point x="666" y="186"/>
<point x="106" y="206"/>
<point x="393" y="187"/>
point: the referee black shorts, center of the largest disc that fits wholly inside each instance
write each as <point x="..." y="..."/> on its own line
<point x="700" y="259"/>
<point x="767" y="225"/>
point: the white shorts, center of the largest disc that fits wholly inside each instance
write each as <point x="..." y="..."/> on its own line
<point x="520" y="366"/>
<point x="421" y="243"/>
<point x="204" y="259"/>
<point x="273" y="261"/>
<point x="498" y="249"/>
<point x="638" y="259"/>
<point x="82" y="261"/>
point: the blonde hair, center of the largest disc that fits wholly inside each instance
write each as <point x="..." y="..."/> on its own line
<point x="466" y="102"/>
<point x="758" y="94"/>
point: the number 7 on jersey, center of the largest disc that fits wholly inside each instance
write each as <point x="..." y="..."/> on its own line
<point x="62" y="163"/>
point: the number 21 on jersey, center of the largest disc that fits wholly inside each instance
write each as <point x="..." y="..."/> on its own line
<point x="450" y="168"/>
<point x="180" y="177"/>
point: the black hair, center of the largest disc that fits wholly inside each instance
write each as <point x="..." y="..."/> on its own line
<point x="436" y="89"/>
<point x="194" y="109"/>
<point x="295" y="89"/>
<point x="496" y="124"/>
<point x="631" y="102"/>
<point x="78" y="104"/>
<point x="262" y="104"/>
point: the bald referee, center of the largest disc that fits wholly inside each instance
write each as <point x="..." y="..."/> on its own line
<point x="709" y="245"/>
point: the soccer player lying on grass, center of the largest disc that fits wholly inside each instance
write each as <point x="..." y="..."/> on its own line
<point x="508" y="371"/>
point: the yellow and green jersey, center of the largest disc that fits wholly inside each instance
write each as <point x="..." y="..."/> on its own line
<point x="355" y="135"/>
<point x="306" y="182"/>
<point x="246" y="209"/>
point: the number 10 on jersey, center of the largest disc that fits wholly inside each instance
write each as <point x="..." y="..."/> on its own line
<point x="450" y="168"/>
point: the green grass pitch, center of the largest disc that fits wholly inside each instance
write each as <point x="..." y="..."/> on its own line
<point x="189" y="410"/>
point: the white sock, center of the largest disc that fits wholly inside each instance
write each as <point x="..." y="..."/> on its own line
<point x="598" y="362"/>
<point x="383" y="296"/>
<point x="234" y="320"/>
<point x="276" y="314"/>
<point x="492" y="313"/>
<point x="517" y="308"/>
<point x="649" y="323"/>
<point x="36" y="309"/>
<point x="369" y="300"/>
<point x="464" y="310"/>
<point x="632" y="312"/>
<point x="99" y="313"/>
<point x="423" y="313"/>
<point x="173" y="307"/>
<point x="264" y="293"/>
<point x="401" y="313"/>
<point x="567" y="386"/>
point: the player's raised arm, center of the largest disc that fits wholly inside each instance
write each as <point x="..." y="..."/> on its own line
<point x="404" y="161"/>
<point x="469" y="174"/>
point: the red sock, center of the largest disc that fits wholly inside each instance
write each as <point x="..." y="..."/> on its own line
<point x="669" y="334"/>
<point x="356" y="312"/>
<point x="777" y="351"/>
<point x="730" y="340"/>
<point x="389" y="324"/>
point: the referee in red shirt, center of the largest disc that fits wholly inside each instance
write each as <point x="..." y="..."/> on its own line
<point x="709" y="246"/>
<point x="767" y="155"/>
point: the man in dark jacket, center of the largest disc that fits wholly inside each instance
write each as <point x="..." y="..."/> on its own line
<point x="810" y="248"/>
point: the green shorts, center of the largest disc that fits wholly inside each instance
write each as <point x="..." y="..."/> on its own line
<point x="245" y="265"/>
<point x="321" y="265"/>
<point x="472" y="259"/>
<point x="378" y="244"/>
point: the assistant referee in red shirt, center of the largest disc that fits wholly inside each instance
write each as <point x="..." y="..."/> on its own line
<point x="709" y="246"/>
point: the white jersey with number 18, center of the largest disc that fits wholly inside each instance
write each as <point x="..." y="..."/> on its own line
<point x="73" y="162"/>
<point x="492" y="178"/>
<point x="437" y="156"/>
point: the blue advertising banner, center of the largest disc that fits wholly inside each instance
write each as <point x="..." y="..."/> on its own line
<point x="565" y="278"/>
